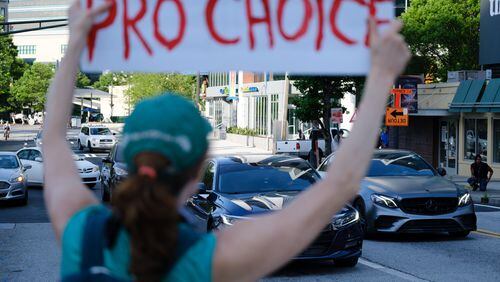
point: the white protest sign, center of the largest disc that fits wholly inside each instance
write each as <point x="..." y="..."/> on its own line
<point x="302" y="36"/>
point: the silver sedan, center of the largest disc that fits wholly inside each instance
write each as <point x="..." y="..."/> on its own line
<point x="402" y="193"/>
<point x="12" y="179"/>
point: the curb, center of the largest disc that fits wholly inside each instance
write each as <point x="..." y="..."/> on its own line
<point x="493" y="202"/>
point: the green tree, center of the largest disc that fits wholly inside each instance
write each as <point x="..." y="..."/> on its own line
<point x="148" y="85"/>
<point x="319" y="95"/>
<point x="11" y="69"/>
<point x="30" y="90"/>
<point x="111" y="78"/>
<point x="443" y="36"/>
<point x="82" y="80"/>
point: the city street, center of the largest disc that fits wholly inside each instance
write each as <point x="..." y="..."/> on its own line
<point x="29" y="251"/>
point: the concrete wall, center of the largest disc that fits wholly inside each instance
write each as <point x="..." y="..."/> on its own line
<point x="120" y="103"/>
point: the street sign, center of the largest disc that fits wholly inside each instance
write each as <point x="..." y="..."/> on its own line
<point x="337" y="115"/>
<point x="397" y="92"/>
<point x="396" y="117"/>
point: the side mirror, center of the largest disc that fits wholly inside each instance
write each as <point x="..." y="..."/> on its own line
<point x="26" y="167"/>
<point x="107" y="160"/>
<point x="114" y="133"/>
<point x="441" y="171"/>
<point x="39" y="159"/>
<point x="202" y="188"/>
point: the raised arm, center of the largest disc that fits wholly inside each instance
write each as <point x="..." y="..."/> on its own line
<point x="283" y="235"/>
<point x="64" y="191"/>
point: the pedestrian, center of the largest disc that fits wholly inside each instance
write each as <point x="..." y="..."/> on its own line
<point x="481" y="174"/>
<point x="301" y="135"/>
<point x="6" y="131"/>
<point x="337" y="140"/>
<point x="145" y="236"/>
<point x="315" y="154"/>
<point x="384" y="138"/>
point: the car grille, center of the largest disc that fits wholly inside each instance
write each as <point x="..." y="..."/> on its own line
<point x="3" y="194"/>
<point x="106" y="141"/>
<point x="89" y="179"/>
<point x="4" y="185"/>
<point x="429" y="206"/>
<point x="385" y="221"/>
<point x="431" y="225"/>
<point x="85" y="170"/>
<point x="322" y="244"/>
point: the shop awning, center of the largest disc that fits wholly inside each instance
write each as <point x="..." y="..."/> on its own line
<point x="467" y="97"/>
<point x="491" y="98"/>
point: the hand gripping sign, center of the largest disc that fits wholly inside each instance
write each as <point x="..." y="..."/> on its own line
<point x="306" y="36"/>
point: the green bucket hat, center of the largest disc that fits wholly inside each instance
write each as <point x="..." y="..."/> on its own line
<point x="168" y="125"/>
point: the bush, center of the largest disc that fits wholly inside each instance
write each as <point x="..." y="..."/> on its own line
<point x="242" y="131"/>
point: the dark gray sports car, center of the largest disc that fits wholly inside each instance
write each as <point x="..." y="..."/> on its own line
<point x="402" y="193"/>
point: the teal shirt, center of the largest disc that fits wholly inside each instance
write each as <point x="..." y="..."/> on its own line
<point x="194" y="265"/>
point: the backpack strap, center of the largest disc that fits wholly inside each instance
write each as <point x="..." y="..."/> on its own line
<point x="94" y="241"/>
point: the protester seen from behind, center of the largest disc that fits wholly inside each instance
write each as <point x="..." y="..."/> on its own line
<point x="481" y="174"/>
<point x="145" y="236"/>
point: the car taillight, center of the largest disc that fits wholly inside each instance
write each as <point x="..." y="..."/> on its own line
<point x="297" y="146"/>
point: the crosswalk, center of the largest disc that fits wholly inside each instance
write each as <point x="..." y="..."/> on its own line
<point x="93" y="155"/>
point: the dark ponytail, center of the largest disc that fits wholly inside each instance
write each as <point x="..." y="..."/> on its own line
<point x="147" y="208"/>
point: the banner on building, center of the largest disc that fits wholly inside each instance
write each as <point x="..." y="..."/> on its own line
<point x="410" y="99"/>
<point x="490" y="39"/>
<point x="305" y="36"/>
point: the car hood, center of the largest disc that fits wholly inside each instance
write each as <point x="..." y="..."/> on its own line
<point x="410" y="185"/>
<point x="255" y="203"/>
<point x="7" y="174"/>
<point x="104" y="136"/>
<point x="82" y="164"/>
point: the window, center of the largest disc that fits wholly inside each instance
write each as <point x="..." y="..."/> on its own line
<point x="476" y="138"/>
<point x="261" y="115"/>
<point x="496" y="141"/>
<point x="34" y="154"/>
<point x="64" y="47"/>
<point x="85" y="130"/>
<point x="26" y="49"/>
<point x="23" y="155"/>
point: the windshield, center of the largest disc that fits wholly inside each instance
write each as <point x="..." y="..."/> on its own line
<point x="100" y="131"/>
<point x="290" y="175"/>
<point x="119" y="158"/>
<point x="8" y="162"/>
<point x="399" y="164"/>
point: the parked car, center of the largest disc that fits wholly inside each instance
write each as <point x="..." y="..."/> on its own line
<point x="114" y="171"/>
<point x="95" y="137"/>
<point x="88" y="171"/>
<point x="402" y="193"/>
<point x="301" y="148"/>
<point x="13" y="179"/>
<point x="237" y="188"/>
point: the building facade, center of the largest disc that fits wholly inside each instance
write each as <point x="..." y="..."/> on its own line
<point x="260" y="102"/>
<point x="45" y="46"/>
<point x="4" y="10"/>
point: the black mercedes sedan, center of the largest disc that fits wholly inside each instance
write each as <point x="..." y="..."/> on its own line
<point x="402" y="193"/>
<point x="238" y="188"/>
<point x="113" y="172"/>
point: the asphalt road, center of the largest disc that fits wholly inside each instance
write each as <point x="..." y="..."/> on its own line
<point x="28" y="250"/>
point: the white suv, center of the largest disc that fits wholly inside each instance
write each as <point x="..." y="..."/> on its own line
<point x="95" y="137"/>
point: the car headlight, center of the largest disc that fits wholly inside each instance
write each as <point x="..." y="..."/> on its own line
<point x="384" y="201"/>
<point x="17" y="179"/>
<point x="345" y="218"/>
<point x="229" y="220"/>
<point x="464" y="200"/>
<point x="95" y="169"/>
<point x="93" y="140"/>
<point x="120" y="171"/>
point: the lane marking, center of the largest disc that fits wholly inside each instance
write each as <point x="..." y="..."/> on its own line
<point x="487" y="206"/>
<point x="391" y="271"/>
<point x="487" y="233"/>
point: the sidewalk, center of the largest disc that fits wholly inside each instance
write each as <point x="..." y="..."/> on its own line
<point x="493" y="190"/>
<point x="220" y="148"/>
<point x="23" y="132"/>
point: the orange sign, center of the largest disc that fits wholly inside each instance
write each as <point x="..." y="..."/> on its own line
<point x="402" y="91"/>
<point x="396" y="117"/>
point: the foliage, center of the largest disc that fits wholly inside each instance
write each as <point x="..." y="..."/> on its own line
<point x="11" y="69"/>
<point x="149" y="85"/>
<point x="443" y="36"/>
<point x="111" y="78"/>
<point x="319" y="95"/>
<point x="82" y="80"/>
<point x="31" y="89"/>
<point x="242" y="131"/>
